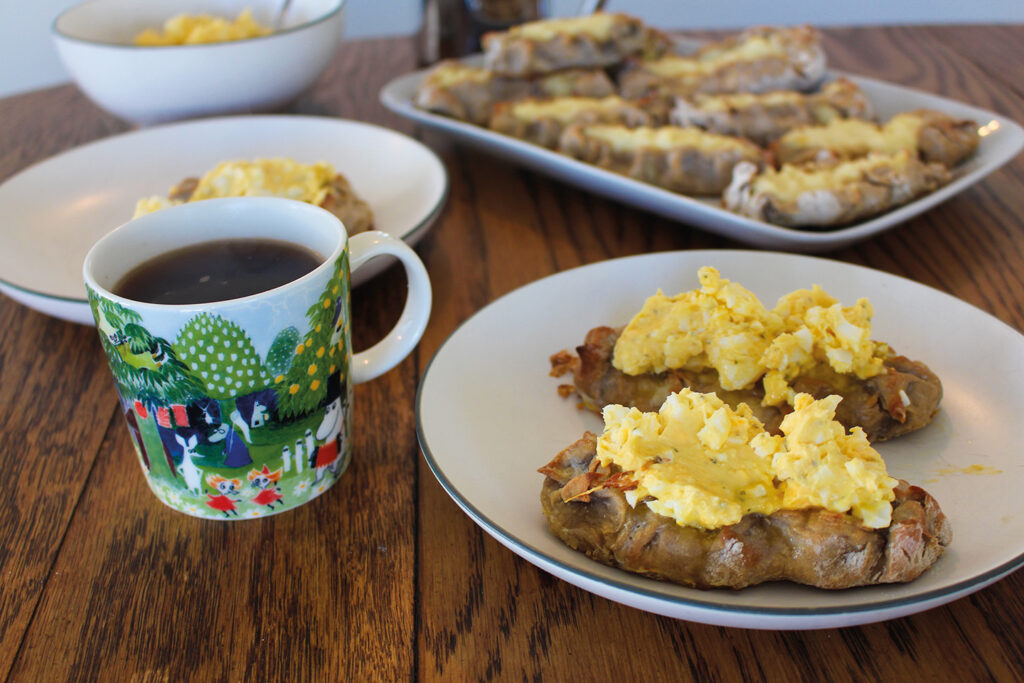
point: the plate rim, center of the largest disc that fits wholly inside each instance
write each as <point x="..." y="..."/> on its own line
<point x="700" y="215"/>
<point x="411" y="235"/>
<point x="793" y="615"/>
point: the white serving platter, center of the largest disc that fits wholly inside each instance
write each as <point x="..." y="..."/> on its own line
<point x="1002" y="140"/>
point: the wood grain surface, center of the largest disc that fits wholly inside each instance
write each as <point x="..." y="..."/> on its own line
<point x="383" y="578"/>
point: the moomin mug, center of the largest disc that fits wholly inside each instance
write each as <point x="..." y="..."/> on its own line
<point x="242" y="408"/>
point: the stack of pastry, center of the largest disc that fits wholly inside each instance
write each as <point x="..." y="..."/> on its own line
<point x="751" y="119"/>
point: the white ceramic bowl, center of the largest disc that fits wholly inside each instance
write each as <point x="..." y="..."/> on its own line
<point x="154" y="84"/>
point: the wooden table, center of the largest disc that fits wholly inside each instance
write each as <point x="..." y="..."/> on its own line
<point x="384" y="578"/>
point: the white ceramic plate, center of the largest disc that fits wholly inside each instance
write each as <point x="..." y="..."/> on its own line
<point x="488" y="416"/>
<point x="53" y="212"/>
<point x="1002" y="140"/>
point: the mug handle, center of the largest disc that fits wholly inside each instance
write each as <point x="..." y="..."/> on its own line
<point x="399" y="342"/>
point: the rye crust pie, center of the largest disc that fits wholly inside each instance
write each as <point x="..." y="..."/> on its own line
<point x="586" y="507"/>
<point x="884" y="393"/>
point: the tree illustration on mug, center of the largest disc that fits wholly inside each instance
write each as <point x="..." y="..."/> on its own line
<point x="321" y="352"/>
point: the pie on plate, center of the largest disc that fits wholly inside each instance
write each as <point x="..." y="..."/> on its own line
<point x="709" y="509"/>
<point x="720" y="339"/>
<point x="318" y="183"/>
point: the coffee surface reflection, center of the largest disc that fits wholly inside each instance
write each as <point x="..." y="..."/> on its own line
<point x="217" y="271"/>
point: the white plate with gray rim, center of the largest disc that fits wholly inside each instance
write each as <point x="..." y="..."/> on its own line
<point x="1002" y="140"/>
<point x="51" y="213"/>
<point x="488" y="415"/>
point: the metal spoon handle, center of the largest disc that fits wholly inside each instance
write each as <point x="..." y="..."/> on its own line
<point x="591" y="6"/>
<point x="280" y="14"/>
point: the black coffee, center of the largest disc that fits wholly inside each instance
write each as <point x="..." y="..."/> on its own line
<point x="217" y="271"/>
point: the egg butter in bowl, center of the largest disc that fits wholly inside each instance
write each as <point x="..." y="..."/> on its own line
<point x="164" y="60"/>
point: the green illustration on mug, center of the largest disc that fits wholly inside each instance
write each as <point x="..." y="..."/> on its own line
<point x="222" y="432"/>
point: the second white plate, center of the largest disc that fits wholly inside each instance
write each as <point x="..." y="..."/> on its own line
<point x="53" y="212"/>
<point x="488" y="415"/>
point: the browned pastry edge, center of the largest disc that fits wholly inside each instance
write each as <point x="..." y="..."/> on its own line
<point x="873" y="404"/>
<point x="946" y="140"/>
<point x="586" y="508"/>
<point x="342" y="201"/>
<point x="547" y="131"/>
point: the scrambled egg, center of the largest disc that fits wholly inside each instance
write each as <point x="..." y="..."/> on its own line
<point x="260" y="178"/>
<point x="187" y="29"/>
<point x="706" y="465"/>
<point x="693" y="457"/>
<point x="724" y="326"/>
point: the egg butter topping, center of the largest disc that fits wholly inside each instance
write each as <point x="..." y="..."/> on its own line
<point x="258" y="178"/>
<point x="703" y="464"/>
<point x="724" y="326"/>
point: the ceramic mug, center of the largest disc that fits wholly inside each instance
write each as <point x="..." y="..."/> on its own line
<point x="243" y="408"/>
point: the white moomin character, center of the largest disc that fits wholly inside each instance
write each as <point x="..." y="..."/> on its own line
<point x="328" y="454"/>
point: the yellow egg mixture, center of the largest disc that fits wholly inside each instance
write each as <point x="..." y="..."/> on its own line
<point x="753" y="49"/>
<point x="730" y="102"/>
<point x="188" y="29"/>
<point x="452" y="73"/>
<point x="624" y="139"/>
<point x="566" y="109"/>
<point x="724" y="326"/>
<point x="791" y="181"/>
<point x="706" y="465"/>
<point x="856" y="137"/>
<point x="259" y="178"/>
<point x="598" y="26"/>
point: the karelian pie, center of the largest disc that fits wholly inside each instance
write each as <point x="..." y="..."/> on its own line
<point x="832" y="193"/>
<point x="931" y="136"/>
<point x="765" y="117"/>
<point x="720" y="339"/>
<point x="542" y="121"/>
<point x="469" y="93"/>
<point x="319" y="184"/>
<point x="685" y="160"/>
<point x="700" y="495"/>
<point x="759" y="59"/>
<point x="595" y="40"/>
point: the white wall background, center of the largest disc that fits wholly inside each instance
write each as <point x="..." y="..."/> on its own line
<point x="28" y="60"/>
